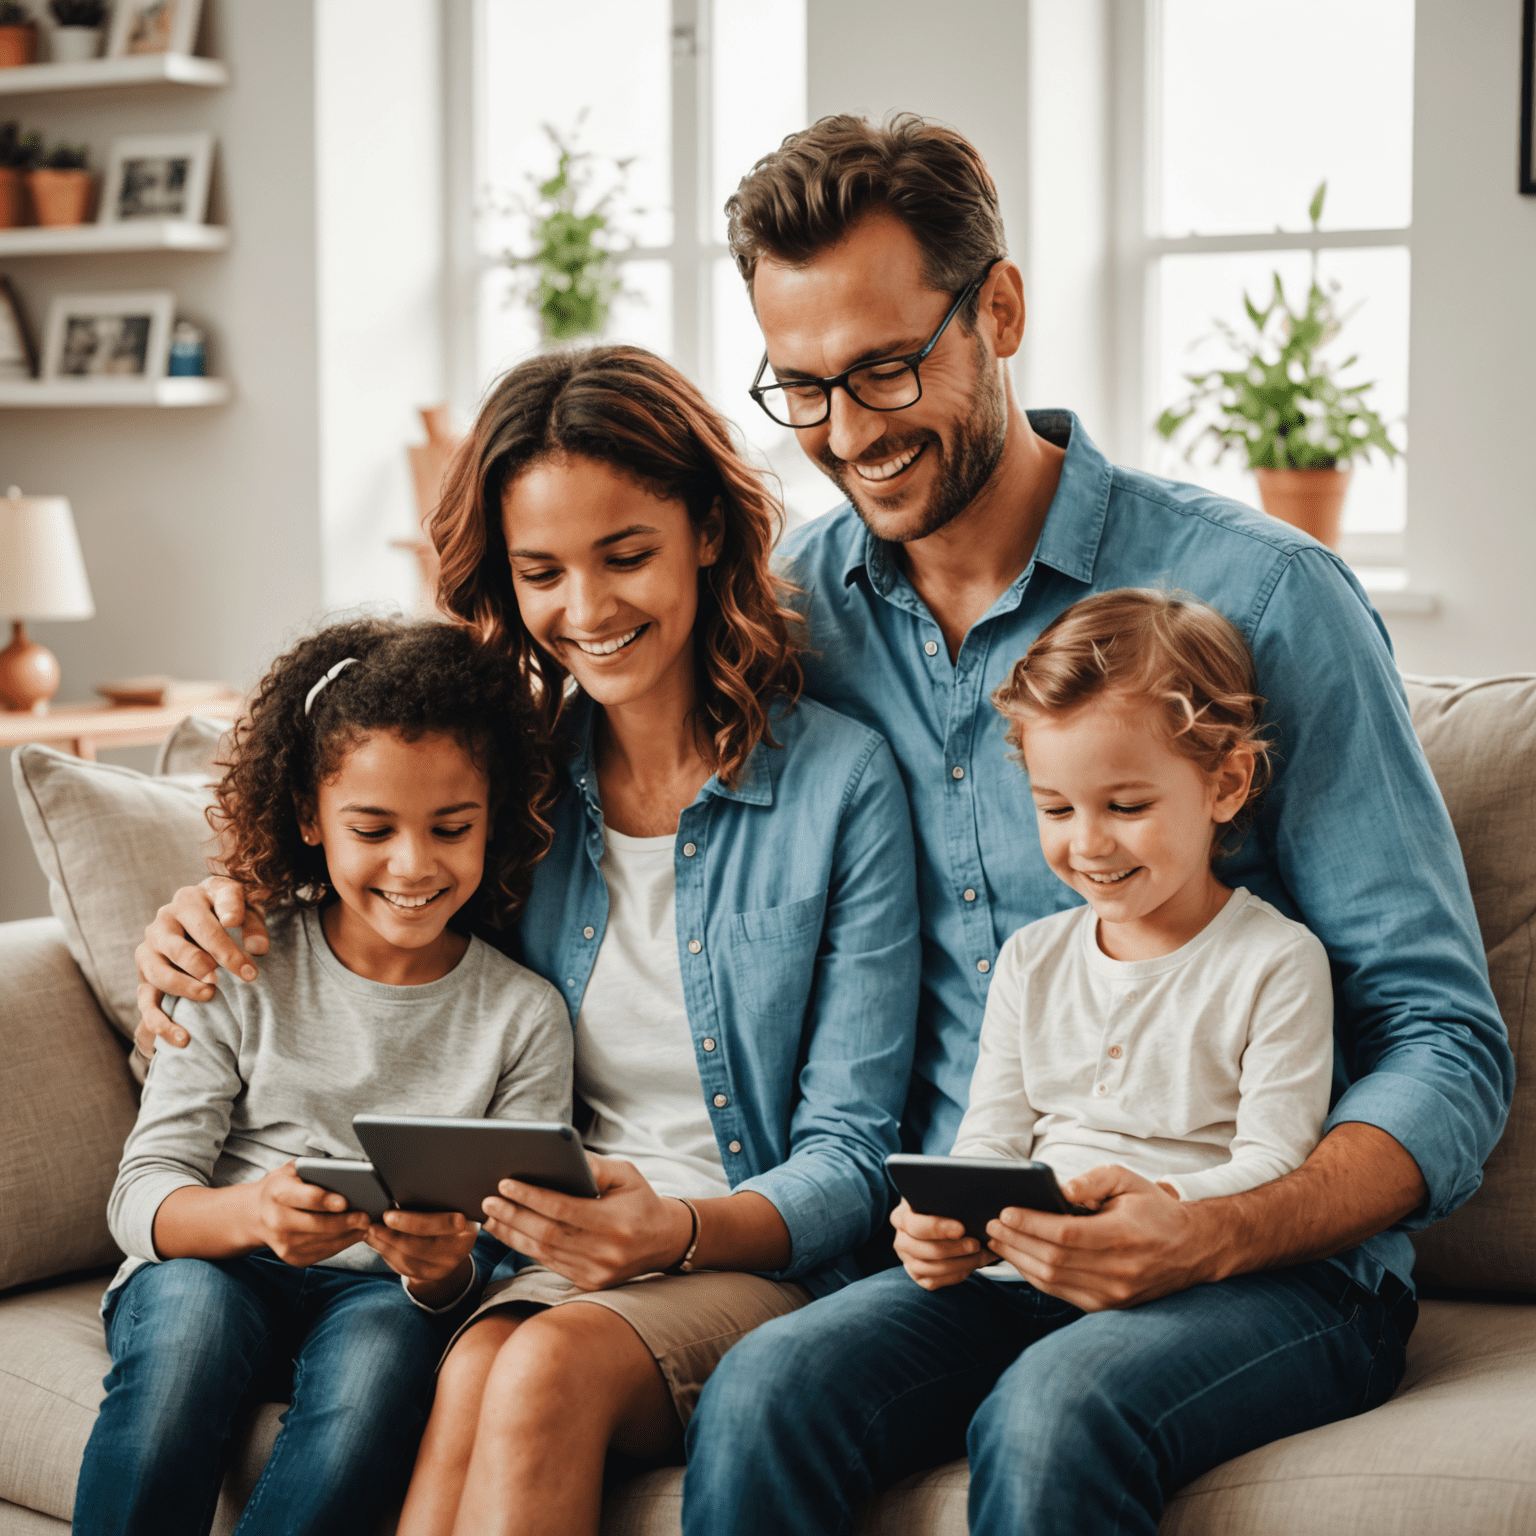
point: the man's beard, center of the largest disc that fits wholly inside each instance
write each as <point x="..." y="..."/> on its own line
<point x="978" y="448"/>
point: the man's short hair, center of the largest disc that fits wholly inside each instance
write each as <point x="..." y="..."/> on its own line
<point x="808" y="194"/>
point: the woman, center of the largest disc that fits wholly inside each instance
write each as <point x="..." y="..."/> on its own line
<point x="727" y="907"/>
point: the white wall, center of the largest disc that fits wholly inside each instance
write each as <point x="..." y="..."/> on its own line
<point x="212" y="537"/>
<point x="1472" y="363"/>
<point x="380" y="231"/>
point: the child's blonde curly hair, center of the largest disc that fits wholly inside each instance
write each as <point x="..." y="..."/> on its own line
<point x="1167" y="648"/>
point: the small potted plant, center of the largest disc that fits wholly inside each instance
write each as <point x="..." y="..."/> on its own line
<point x="61" y="186"/>
<point x="1299" y="425"/>
<point x="77" y="33"/>
<point x="18" y="154"/>
<point x="572" y="275"/>
<point x="18" y="34"/>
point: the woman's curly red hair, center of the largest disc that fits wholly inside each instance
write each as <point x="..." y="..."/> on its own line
<point x="631" y="410"/>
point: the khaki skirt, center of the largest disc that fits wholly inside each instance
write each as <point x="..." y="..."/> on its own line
<point x="686" y="1321"/>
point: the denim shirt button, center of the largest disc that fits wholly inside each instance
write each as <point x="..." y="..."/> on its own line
<point x="588" y="932"/>
<point x="689" y="849"/>
<point x="932" y="648"/>
<point x="735" y="1146"/>
<point x="957" y="772"/>
<point x="721" y="1101"/>
<point x="708" y="1044"/>
<point x="694" y="946"/>
<point x="970" y="895"/>
<point x="983" y="966"/>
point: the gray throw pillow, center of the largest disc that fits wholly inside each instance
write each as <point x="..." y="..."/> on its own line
<point x="114" y="845"/>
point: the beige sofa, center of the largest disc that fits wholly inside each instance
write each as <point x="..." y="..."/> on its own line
<point x="1453" y="1451"/>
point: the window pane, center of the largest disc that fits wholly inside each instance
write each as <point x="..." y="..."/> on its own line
<point x="1373" y="299"/>
<point x="642" y="312"/>
<point x="544" y="63"/>
<point x="1260" y="102"/>
<point x="759" y="89"/>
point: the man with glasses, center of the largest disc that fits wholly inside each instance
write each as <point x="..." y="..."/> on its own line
<point x="1180" y="1335"/>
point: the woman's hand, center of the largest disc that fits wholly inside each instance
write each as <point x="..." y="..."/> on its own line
<point x="596" y="1244"/>
<point x="934" y="1250"/>
<point x="185" y="946"/>
<point x="430" y="1248"/>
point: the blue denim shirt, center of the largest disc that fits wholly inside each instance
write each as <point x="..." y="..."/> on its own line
<point x="1353" y="838"/>
<point x="797" y="934"/>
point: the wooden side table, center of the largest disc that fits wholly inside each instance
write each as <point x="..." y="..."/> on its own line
<point x="82" y="728"/>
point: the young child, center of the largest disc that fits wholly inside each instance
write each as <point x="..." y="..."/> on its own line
<point x="1170" y="1025"/>
<point x="376" y="798"/>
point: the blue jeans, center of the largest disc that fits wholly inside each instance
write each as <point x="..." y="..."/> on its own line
<point x="1074" y="1422"/>
<point x="195" y="1341"/>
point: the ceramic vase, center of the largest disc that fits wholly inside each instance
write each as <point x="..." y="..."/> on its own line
<point x="13" y="197"/>
<point x="73" y="45"/>
<point x="1309" y="499"/>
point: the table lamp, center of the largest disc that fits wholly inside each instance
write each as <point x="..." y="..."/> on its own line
<point x="42" y="576"/>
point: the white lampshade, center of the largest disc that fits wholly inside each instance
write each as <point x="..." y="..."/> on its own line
<point x="42" y="575"/>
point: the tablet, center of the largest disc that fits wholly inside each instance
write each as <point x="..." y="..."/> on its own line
<point x="432" y="1164"/>
<point x="346" y="1176"/>
<point x="976" y="1189"/>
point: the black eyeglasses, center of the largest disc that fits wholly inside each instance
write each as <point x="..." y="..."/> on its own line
<point x="886" y="384"/>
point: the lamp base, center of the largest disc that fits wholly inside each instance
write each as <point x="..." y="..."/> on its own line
<point x="29" y="675"/>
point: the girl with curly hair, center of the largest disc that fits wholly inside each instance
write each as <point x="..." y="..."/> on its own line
<point x="375" y="798"/>
<point x="727" y="907"/>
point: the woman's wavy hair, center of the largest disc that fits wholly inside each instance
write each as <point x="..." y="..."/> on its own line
<point x="409" y="679"/>
<point x="1167" y="648"/>
<point x="629" y="409"/>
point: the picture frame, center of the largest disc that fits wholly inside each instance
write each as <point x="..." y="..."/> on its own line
<point x="157" y="176"/>
<point x="153" y="26"/>
<point x="1528" y="99"/>
<point x="94" y="336"/>
<point x="18" y="349"/>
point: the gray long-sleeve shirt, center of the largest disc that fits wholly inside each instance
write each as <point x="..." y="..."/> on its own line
<point x="277" y="1067"/>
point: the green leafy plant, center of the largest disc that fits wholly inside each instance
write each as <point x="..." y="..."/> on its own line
<point x="14" y="14"/>
<point x="78" y="13"/>
<point x="571" y="277"/>
<point x="64" y="157"/>
<point x="1284" y="407"/>
<point x="18" y="151"/>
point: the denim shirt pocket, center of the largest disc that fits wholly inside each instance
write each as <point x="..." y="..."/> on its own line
<point x="773" y="957"/>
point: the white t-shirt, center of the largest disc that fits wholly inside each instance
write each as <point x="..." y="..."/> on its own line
<point x="635" y="1064"/>
<point x="1208" y="1068"/>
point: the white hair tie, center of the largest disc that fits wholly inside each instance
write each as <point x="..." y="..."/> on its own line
<point x="340" y="667"/>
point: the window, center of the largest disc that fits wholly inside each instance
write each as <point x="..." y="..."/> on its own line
<point x="695" y="91"/>
<point x="1246" y="109"/>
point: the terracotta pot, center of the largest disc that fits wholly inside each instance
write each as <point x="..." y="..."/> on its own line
<point x="13" y="197"/>
<point x="18" y="45"/>
<point x="61" y="197"/>
<point x="1309" y="499"/>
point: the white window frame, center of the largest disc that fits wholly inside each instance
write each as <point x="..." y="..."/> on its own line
<point x="1138" y="249"/>
<point x="692" y="251"/>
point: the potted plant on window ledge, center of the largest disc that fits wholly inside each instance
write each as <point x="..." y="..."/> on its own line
<point x="1299" y="425"/>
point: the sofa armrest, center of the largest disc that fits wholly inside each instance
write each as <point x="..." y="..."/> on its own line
<point x="67" y="1103"/>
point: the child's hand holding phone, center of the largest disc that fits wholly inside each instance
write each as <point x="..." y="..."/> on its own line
<point x="302" y="1223"/>
<point x="934" y="1250"/>
<point x="430" y="1248"/>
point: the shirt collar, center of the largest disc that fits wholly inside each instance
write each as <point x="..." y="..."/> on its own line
<point x="754" y="784"/>
<point x="1069" y="542"/>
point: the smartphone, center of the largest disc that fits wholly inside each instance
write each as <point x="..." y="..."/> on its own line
<point x="974" y="1190"/>
<point x="346" y="1176"/>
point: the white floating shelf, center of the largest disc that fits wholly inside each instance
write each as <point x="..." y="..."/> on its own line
<point x="136" y="235"/>
<point x="95" y="74"/>
<point x="79" y="392"/>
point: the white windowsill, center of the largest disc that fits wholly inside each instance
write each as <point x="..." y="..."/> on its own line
<point x="1393" y="593"/>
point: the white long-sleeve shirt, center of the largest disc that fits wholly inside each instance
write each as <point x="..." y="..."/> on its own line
<point x="1208" y="1068"/>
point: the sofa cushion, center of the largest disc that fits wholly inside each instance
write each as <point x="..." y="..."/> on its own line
<point x="68" y="1104"/>
<point x="114" y="844"/>
<point x="1480" y="739"/>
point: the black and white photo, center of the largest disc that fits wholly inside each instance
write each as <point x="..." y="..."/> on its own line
<point x="158" y="176"/>
<point x="108" y="335"/>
